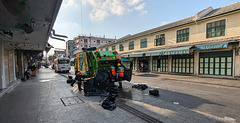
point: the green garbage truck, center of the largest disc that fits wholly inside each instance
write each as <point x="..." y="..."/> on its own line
<point x="95" y="65"/>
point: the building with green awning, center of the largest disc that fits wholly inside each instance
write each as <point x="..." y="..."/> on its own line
<point x="206" y="43"/>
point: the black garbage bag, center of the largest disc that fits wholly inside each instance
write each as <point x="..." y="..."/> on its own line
<point x="88" y="86"/>
<point x="92" y="93"/>
<point x="112" y="90"/>
<point x="109" y="103"/>
<point x="101" y="78"/>
<point x="127" y="74"/>
<point x="70" y="81"/>
<point x="140" y="86"/>
<point x="70" y="77"/>
<point x="154" y="92"/>
<point x="73" y="82"/>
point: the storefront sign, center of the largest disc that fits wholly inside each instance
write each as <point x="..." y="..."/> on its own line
<point x="211" y="46"/>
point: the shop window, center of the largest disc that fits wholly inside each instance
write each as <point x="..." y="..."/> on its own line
<point x="131" y="45"/>
<point x="216" y="29"/>
<point x="113" y="48"/>
<point x="163" y="65"/>
<point x="160" y="40"/>
<point x="143" y="43"/>
<point x="154" y="65"/>
<point x="107" y="49"/>
<point x="221" y="65"/>
<point x="183" y="35"/>
<point x="121" y="47"/>
<point x="183" y="65"/>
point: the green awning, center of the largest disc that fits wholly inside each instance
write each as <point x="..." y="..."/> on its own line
<point x="211" y="46"/>
<point x="124" y="55"/>
<point x="137" y="54"/>
<point x="155" y="52"/>
<point x="170" y="51"/>
<point x="125" y="59"/>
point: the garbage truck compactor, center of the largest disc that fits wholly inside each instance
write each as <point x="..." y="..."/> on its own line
<point x="95" y="66"/>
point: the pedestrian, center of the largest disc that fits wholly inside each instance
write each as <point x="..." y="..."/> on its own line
<point x="78" y="79"/>
<point x="120" y="74"/>
<point x="112" y="73"/>
<point x="141" y="67"/>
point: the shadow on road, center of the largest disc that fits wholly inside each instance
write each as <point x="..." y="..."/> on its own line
<point x="173" y="101"/>
<point x="148" y="75"/>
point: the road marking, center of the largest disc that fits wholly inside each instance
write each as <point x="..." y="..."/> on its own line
<point x="176" y="103"/>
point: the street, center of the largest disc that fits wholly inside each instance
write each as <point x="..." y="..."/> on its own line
<point x="188" y="99"/>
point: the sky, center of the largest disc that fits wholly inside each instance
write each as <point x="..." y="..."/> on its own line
<point x="122" y="17"/>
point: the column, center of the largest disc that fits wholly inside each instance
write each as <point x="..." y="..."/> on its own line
<point x="196" y="63"/>
<point x="14" y="65"/>
<point x="150" y="63"/>
<point x="20" y="64"/>
<point x="169" y="64"/>
<point x="236" y="62"/>
<point x="2" y="71"/>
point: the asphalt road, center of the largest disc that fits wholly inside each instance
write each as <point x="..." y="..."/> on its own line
<point x="215" y="101"/>
<point x="210" y="100"/>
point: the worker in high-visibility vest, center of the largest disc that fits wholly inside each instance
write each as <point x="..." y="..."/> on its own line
<point x="78" y="79"/>
<point x="112" y="73"/>
<point x="120" y="74"/>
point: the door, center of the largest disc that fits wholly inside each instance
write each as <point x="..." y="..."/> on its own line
<point x="144" y="65"/>
<point x="183" y="65"/>
<point x="216" y="63"/>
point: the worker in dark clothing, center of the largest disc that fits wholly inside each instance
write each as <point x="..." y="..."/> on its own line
<point x="112" y="73"/>
<point x="78" y="79"/>
<point x="120" y="74"/>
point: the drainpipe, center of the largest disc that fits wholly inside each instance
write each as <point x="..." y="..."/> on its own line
<point x="233" y="70"/>
<point x="57" y="35"/>
<point x="56" y="38"/>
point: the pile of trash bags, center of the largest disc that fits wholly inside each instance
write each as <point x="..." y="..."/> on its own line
<point x="109" y="102"/>
<point x="154" y="92"/>
<point x="140" y="86"/>
<point x="70" y="80"/>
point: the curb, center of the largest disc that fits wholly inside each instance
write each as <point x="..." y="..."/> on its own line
<point x="10" y="88"/>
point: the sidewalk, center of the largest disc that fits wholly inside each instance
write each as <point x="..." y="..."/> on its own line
<point x="193" y="79"/>
<point x="39" y="100"/>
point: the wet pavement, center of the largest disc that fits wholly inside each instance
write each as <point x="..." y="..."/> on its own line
<point x="48" y="98"/>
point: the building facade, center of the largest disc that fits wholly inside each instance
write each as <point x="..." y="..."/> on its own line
<point x="60" y="53"/>
<point x="204" y="44"/>
<point x="69" y="48"/>
<point x="89" y="41"/>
